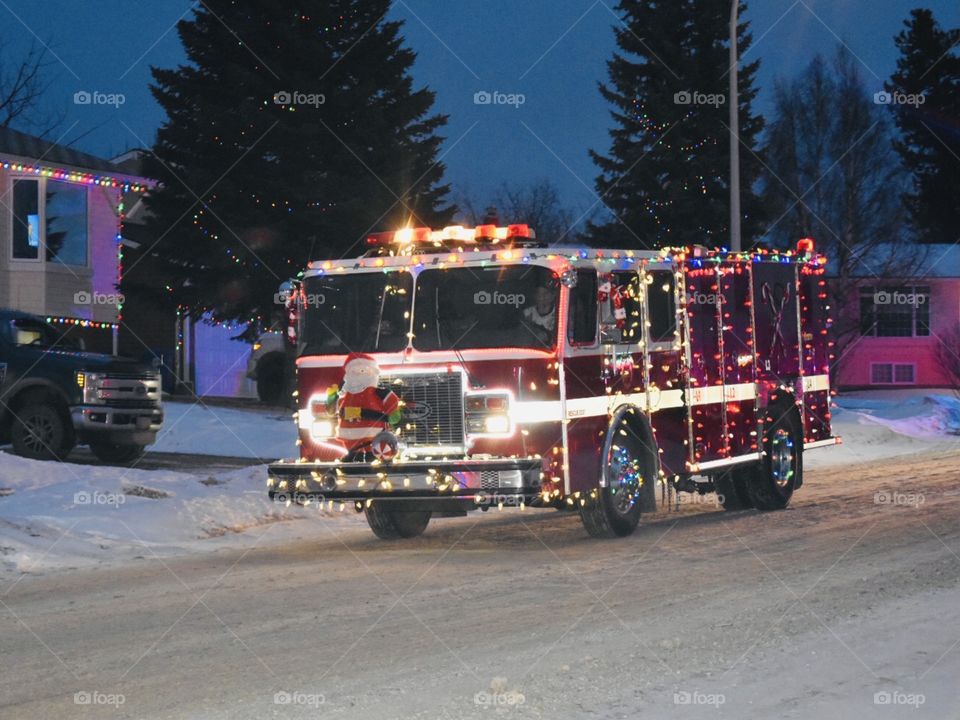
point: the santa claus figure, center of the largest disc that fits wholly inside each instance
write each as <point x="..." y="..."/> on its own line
<point x="363" y="410"/>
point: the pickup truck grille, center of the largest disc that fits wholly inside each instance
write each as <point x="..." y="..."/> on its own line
<point x="130" y="391"/>
<point x="433" y="408"/>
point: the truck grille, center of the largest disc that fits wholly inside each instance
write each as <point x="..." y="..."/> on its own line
<point x="433" y="408"/>
<point x="129" y="390"/>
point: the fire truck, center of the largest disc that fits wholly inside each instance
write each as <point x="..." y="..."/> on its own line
<point x="504" y="372"/>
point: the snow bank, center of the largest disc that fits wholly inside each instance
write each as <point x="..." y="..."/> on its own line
<point x="60" y="514"/>
<point x="264" y="434"/>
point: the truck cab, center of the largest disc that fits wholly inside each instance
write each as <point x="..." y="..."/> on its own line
<point x="54" y="395"/>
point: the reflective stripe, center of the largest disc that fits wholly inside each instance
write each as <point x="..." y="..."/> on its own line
<point x="724" y="462"/>
<point x="816" y="383"/>
<point x="722" y="393"/>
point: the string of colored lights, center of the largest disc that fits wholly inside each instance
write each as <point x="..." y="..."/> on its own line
<point x="75" y="176"/>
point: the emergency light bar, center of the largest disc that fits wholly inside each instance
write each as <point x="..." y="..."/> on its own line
<point x="453" y="233"/>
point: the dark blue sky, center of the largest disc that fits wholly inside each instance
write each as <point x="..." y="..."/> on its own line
<point x="551" y="51"/>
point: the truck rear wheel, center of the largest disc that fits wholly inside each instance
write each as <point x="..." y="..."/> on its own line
<point x="41" y="432"/>
<point x="390" y="523"/>
<point x="771" y="483"/>
<point x="629" y="472"/>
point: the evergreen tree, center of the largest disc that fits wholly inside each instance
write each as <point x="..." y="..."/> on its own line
<point x="666" y="177"/>
<point x="293" y="130"/>
<point x="929" y="68"/>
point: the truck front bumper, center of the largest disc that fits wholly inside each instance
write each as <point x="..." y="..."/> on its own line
<point x="507" y="480"/>
<point x="137" y="426"/>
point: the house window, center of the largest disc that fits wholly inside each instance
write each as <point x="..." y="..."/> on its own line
<point x="901" y="311"/>
<point x="26" y="220"/>
<point x="66" y="223"/>
<point x="893" y="374"/>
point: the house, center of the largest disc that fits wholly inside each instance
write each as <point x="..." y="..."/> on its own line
<point x="61" y="223"/>
<point x="196" y="356"/>
<point x="900" y="324"/>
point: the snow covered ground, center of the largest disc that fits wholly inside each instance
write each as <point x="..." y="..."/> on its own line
<point x="55" y="515"/>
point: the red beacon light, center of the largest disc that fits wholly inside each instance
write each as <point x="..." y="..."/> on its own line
<point x="806" y="246"/>
<point x="520" y="231"/>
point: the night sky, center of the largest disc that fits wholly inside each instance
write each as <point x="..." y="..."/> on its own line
<point x="551" y="51"/>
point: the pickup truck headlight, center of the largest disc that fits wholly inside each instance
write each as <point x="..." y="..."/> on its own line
<point x="89" y="384"/>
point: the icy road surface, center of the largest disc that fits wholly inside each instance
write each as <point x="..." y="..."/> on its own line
<point x="845" y="605"/>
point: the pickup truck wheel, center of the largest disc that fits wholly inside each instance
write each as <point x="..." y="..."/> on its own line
<point x="41" y="432"/>
<point x="392" y="524"/>
<point x="771" y="483"/>
<point x="732" y="490"/>
<point x="115" y="454"/>
<point x="614" y="510"/>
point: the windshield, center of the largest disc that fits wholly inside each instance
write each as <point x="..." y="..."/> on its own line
<point x="497" y="306"/>
<point x="360" y="312"/>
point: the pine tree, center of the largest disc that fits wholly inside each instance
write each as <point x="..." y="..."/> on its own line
<point x="665" y="178"/>
<point x="929" y="68"/>
<point x="293" y="130"/>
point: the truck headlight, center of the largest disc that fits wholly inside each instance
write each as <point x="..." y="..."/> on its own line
<point x="89" y="384"/>
<point x="497" y="424"/>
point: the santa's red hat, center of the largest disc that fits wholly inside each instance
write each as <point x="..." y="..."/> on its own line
<point x="357" y="359"/>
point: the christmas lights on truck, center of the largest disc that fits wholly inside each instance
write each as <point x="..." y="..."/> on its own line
<point x="446" y="371"/>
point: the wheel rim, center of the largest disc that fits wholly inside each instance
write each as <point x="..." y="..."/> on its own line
<point x="624" y="478"/>
<point x="782" y="456"/>
<point x="40" y="434"/>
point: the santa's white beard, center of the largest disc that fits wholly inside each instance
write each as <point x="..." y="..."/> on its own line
<point x="358" y="382"/>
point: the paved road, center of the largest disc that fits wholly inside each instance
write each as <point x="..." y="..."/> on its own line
<point x="805" y="613"/>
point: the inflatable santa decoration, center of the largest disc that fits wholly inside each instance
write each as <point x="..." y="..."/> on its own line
<point x="365" y="412"/>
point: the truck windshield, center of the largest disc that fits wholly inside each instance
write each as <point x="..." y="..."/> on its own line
<point x="360" y="312"/>
<point x="496" y="306"/>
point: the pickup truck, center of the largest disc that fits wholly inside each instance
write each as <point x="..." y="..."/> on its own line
<point x="54" y="395"/>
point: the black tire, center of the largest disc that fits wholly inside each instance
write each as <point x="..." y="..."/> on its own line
<point x="390" y="523"/>
<point x="732" y="490"/>
<point x="116" y="454"/>
<point x="41" y="431"/>
<point x="271" y="379"/>
<point x="770" y="484"/>
<point x="630" y="473"/>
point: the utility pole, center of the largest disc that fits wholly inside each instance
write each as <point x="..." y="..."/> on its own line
<point x="734" y="102"/>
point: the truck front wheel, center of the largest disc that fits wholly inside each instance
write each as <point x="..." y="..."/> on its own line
<point x="115" y="454"/>
<point x="630" y="472"/>
<point x="390" y="523"/>
<point x="41" y="432"/>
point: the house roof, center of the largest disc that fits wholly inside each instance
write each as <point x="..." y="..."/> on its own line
<point x="927" y="261"/>
<point x="14" y="142"/>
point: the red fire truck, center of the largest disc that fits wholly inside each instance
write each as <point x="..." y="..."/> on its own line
<point x="466" y="368"/>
